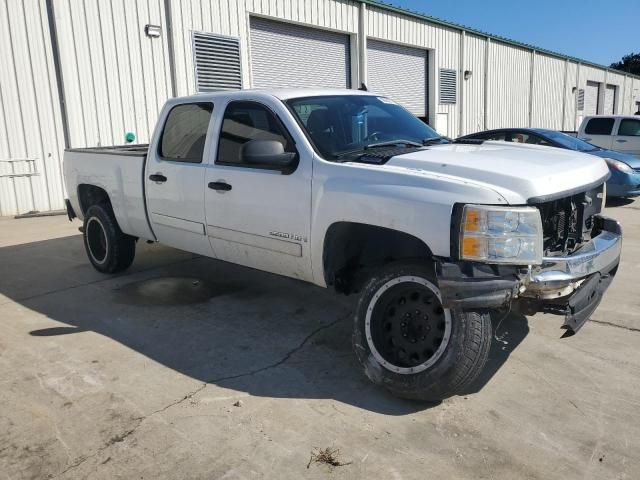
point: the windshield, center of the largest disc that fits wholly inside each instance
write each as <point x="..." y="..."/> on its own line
<point x="341" y="125"/>
<point x="572" y="143"/>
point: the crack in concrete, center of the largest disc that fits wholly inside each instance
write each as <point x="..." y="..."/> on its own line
<point x="140" y="420"/>
<point x="611" y="324"/>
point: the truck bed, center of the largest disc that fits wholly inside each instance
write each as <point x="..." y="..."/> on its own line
<point x="118" y="170"/>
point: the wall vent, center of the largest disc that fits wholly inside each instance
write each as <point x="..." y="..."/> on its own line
<point x="581" y="99"/>
<point x="216" y="61"/>
<point x="448" y="86"/>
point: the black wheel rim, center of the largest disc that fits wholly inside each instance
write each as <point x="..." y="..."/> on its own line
<point x="407" y="326"/>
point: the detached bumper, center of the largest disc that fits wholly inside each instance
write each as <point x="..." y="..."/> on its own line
<point x="572" y="285"/>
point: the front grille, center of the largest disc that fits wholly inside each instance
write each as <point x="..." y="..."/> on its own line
<point x="567" y="223"/>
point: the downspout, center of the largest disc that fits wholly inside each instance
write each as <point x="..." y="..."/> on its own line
<point x="170" y="46"/>
<point x="362" y="45"/>
<point x="55" y="49"/>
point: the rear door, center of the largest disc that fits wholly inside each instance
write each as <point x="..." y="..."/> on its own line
<point x="599" y="131"/>
<point x="256" y="215"/>
<point x="174" y="177"/>
<point x="628" y="138"/>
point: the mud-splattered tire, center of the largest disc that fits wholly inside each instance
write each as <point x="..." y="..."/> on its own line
<point x="109" y="250"/>
<point x="408" y="344"/>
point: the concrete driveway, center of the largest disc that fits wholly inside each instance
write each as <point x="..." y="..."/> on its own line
<point x="185" y="367"/>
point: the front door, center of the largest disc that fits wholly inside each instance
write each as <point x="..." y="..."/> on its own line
<point x="258" y="216"/>
<point x="628" y="138"/>
<point x="174" y="178"/>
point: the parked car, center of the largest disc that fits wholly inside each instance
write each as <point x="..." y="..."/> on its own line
<point x="347" y="189"/>
<point x="616" y="132"/>
<point x="624" y="168"/>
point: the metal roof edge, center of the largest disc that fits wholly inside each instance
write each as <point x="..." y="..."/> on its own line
<point x="515" y="43"/>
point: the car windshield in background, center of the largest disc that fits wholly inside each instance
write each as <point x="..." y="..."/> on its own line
<point x="572" y="143"/>
<point x="344" y="125"/>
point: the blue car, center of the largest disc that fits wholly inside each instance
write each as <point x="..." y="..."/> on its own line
<point x="625" y="168"/>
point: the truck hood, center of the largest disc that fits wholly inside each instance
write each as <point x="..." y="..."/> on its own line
<point x="520" y="173"/>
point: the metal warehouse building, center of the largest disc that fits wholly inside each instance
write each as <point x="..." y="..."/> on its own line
<point x="85" y="72"/>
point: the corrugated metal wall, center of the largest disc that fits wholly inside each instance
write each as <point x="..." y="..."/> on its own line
<point x="475" y="50"/>
<point x="115" y="78"/>
<point x="509" y="81"/>
<point x="30" y="125"/>
<point x="548" y="92"/>
<point x="570" y="98"/>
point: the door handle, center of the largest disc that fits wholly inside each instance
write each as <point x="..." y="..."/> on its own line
<point x="158" y="178"/>
<point x="587" y="139"/>
<point x="221" y="186"/>
<point x="621" y="140"/>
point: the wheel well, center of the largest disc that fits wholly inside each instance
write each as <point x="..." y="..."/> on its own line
<point x="91" y="195"/>
<point x="350" y="249"/>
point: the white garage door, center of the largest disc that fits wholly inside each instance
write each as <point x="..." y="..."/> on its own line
<point x="400" y="73"/>
<point x="609" y="99"/>
<point x="285" y="55"/>
<point x="591" y="98"/>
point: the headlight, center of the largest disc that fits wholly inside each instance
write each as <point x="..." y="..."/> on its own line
<point x="510" y="235"/>
<point x="618" y="165"/>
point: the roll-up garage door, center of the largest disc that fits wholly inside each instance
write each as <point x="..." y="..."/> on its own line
<point x="285" y="55"/>
<point x="609" y="99"/>
<point x="591" y="98"/>
<point x="400" y="73"/>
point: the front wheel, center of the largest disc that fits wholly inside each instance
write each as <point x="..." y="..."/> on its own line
<point x="408" y="343"/>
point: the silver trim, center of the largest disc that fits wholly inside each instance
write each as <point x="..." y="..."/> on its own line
<point x="559" y="272"/>
<point x="106" y="240"/>
<point x="445" y="337"/>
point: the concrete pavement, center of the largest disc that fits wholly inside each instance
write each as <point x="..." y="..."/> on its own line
<point x="139" y="376"/>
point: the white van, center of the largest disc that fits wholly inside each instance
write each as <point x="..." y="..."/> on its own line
<point x="614" y="132"/>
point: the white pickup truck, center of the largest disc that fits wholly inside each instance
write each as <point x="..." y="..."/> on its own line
<point x="347" y="189"/>
<point x="613" y="132"/>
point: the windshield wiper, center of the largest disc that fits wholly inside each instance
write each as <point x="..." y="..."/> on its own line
<point x="429" y="141"/>
<point x="393" y="142"/>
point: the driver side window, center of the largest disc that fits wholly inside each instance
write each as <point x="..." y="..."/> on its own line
<point x="245" y="121"/>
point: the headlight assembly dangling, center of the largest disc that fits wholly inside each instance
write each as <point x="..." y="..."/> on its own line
<point x="501" y="235"/>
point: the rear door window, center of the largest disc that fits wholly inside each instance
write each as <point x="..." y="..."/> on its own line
<point x="629" y="127"/>
<point x="185" y="132"/>
<point x="599" y="126"/>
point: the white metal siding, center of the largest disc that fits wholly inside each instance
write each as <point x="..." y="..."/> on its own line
<point x="400" y="73"/>
<point x="591" y="93"/>
<point x="115" y="78"/>
<point x="30" y="126"/>
<point x="286" y="55"/>
<point x="509" y="86"/>
<point x="548" y="92"/>
<point x="609" y="100"/>
<point x="473" y="98"/>
<point x="570" y="98"/>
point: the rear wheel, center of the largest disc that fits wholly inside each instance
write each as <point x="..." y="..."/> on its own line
<point x="109" y="250"/>
<point x="408" y="343"/>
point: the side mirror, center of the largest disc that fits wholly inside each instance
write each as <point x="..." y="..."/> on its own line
<point x="267" y="153"/>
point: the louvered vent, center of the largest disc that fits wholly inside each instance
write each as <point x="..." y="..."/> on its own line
<point x="581" y="99"/>
<point x="217" y="62"/>
<point x="447" y="86"/>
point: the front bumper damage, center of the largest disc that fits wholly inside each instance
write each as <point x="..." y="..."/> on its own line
<point x="571" y="285"/>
